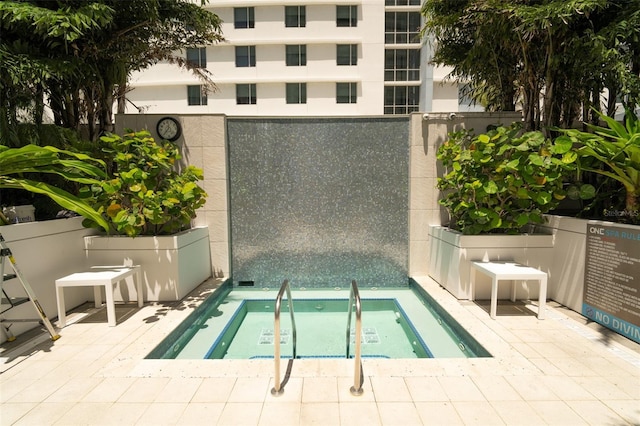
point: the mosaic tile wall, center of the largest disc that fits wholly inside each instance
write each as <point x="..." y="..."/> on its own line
<point x="319" y="201"/>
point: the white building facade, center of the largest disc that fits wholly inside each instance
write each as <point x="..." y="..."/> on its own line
<point x="304" y="58"/>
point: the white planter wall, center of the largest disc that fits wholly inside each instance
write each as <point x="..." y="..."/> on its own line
<point x="452" y="253"/>
<point x="566" y="269"/>
<point x="44" y="251"/>
<point x="172" y="265"/>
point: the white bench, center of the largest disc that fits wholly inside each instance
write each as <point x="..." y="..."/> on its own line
<point x="97" y="277"/>
<point x="509" y="271"/>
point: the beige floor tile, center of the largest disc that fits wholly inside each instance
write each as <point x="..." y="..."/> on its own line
<point x="124" y="413"/>
<point x="602" y="388"/>
<point x="144" y="389"/>
<point x="162" y="413"/>
<point x="344" y="390"/>
<point x="399" y="414"/>
<point x="390" y="389"/>
<point x="44" y="414"/>
<point x="627" y="383"/>
<point x="629" y="409"/>
<point x="479" y="413"/>
<point x="572" y="367"/>
<point x="531" y="388"/>
<point x="595" y="413"/>
<point x="13" y="386"/>
<point x="280" y="413"/>
<point x="557" y="413"/>
<point x="199" y="413"/>
<point x="359" y="413"/>
<point x="179" y="389"/>
<point x="438" y="413"/>
<point x="214" y="389"/>
<point x="496" y="388"/>
<point x="461" y="389"/>
<point x="517" y="413"/>
<point x="37" y="391"/>
<point x="240" y="414"/>
<point x="85" y="413"/>
<point x="109" y="390"/>
<point x="545" y="366"/>
<point x="320" y="389"/>
<point x="320" y="414"/>
<point x="12" y="412"/>
<point x="74" y="390"/>
<point x="567" y="388"/>
<point x="291" y="391"/>
<point x="249" y="390"/>
<point x="425" y="389"/>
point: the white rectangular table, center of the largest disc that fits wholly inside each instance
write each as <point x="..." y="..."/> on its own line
<point x="509" y="271"/>
<point x="97" y="277"/>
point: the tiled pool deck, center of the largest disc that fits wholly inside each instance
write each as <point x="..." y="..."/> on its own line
<point x="557" y="371"/>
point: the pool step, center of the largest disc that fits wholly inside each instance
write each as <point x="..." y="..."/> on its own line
<point x="316" y="356"/>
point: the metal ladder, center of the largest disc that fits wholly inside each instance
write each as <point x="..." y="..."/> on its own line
<point x="11" y="302"/>
<point x="278" y="386"/>
<point x="354" y="300"/>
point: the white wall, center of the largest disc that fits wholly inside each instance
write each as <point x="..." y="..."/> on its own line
<point x="44" y="251"/>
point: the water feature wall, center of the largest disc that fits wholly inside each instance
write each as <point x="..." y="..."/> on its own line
<point x="319" y="201"/>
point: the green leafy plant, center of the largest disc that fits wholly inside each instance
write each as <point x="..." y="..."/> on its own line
<point x="32" y="160"/>
<point x="146" y="194"/>
<point x="502" y="180"/>
<point x="612" y="151"/>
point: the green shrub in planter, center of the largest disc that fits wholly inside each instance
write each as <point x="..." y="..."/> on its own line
<point x="614" y="152"/>
<point x="502" y="180"/>
<point x="26" y="168"/>
<point x="146" y="194"/>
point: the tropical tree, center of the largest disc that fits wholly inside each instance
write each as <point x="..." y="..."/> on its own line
<point x="16" y="164"/>
<point x="554" y="58"/>
<point x="77" y="55"/>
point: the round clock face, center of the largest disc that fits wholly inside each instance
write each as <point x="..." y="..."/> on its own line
<point x="168" y="128"/>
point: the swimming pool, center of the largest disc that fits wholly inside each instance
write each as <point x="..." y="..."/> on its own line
<point x="397" y="322"/>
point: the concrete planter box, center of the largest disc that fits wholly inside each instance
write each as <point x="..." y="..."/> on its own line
<point x="452" y="252"/>
<point x="172" y="265"/>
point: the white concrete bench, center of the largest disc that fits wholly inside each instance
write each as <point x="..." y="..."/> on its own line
<point x="97" y="277"/>
<point x="509" y="271"/>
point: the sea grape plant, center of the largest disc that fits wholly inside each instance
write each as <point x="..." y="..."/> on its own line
<point x="145" y="193"/>
<point x="502" y="180"/>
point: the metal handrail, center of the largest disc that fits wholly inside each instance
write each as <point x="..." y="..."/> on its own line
<point x="278" y="387"/>
<point x="354" y="298"/>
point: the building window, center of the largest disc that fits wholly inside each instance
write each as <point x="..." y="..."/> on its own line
<point x="197" y="57"/>
<point x="402" y="65"/>
<point x="402" y="2"/>
<point x="402" y="27"/>
<point x="347" y="16"/>
<point x="346" y="93"/>
<point x="244" y="17"/>
<point x="296" y="55"/>
<point x="196" y="95"/>
<point x="296" y="93"/>
<point x="245" y="56"/>
<point x="295" y="16"/>
<point x="246" y="94"/>
<point x="347" y="54"/>
<point x="401" y="99"/>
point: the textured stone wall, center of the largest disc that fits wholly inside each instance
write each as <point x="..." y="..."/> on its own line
<point x="319" y="201"/>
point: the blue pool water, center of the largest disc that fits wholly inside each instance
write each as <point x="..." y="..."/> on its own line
<point x="397" y="322"/>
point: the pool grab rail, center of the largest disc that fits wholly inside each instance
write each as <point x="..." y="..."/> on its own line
<point x="354" y="299"/>
<point x="278" y="387"/>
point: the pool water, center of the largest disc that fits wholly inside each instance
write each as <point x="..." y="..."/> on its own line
<point x="321" y="326"/>
<point x="397" y="322"/>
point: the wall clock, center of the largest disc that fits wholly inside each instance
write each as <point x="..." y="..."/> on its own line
<point x="168" y="128"/>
